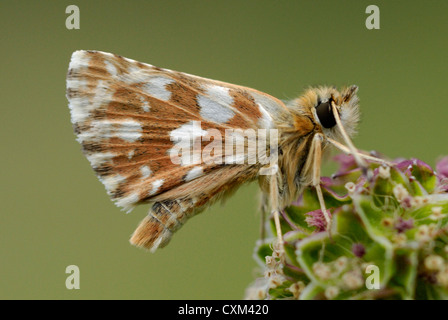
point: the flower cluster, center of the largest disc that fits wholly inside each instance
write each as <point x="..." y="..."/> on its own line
<point x="388" y="238"/>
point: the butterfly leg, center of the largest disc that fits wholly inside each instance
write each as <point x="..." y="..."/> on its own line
<point x="274" y="200"/>
<point x="264" y="208"/>
<point x="316" y="157"/>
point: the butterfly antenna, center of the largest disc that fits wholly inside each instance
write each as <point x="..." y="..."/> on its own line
<point x="359" y="161"/>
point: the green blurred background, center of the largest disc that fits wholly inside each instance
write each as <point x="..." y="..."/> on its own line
<point x="54" y="211"/>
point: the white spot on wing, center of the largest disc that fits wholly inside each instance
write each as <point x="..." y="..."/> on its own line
<point x="155" y="186"/>
<point x="145" y="105"/>
<point x="79" y="60"/>
<point x="194" y="173"/>
<point x="184" y="139"/>
<point x="269" y="105"/>
<point x="188" y="131"/>
<point x="77" y="84"/>
<point x="216" y="104"/>
<point x="97" y="159"/>
<point x="128" y="130"/>
<point x="111" y="68"/>
<point x="145" y="171"/>
<point x="112" y="182"/>
<point x="81" y="106"/>
<point x="156" y="87"/>
<point x="265" y="121"/>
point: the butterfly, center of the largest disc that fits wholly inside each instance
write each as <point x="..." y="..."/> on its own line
<point x="168" y="138"/>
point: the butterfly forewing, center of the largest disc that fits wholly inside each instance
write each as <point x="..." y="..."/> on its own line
<point x="129" y="118"/>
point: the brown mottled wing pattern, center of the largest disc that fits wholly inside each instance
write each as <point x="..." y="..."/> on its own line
<point x="129" y="118"/>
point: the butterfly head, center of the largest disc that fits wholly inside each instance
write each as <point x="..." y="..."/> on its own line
<point x="321" y="101"/>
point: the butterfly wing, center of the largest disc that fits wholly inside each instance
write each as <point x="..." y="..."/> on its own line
<point x="132" y="118"/>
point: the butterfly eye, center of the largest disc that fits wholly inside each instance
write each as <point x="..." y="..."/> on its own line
<point x="325" y="115"/>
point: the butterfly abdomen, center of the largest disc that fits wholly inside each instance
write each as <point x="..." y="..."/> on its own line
<point x="164" y="218"/>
